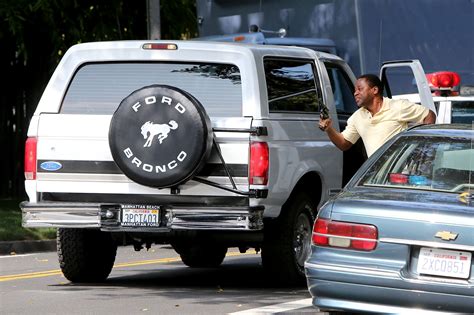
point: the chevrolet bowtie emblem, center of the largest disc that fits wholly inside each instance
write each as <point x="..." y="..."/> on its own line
<point x="446" y="236"/>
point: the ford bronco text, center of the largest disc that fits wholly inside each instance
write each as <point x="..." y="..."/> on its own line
<point x="201" y="145"/>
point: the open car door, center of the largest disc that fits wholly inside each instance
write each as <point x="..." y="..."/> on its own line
<point x="390" y="75"/>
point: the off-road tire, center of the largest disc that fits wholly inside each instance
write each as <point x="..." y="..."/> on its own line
<point x="85" y="255"/>
<point x="203" y="256"/>
<point x="287" y="241"/>
<point x="162" y="144"/>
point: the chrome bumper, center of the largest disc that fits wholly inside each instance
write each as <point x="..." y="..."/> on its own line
<point x="92" y="215"/>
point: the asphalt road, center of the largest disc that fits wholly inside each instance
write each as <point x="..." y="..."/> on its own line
<point x="153" y="282"/>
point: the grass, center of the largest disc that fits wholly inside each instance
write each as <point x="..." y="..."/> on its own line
<point x="10" y="225"/>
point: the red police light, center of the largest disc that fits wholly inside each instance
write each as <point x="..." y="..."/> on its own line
<point x="443" y="80"/>
<point x="397" y="178"/>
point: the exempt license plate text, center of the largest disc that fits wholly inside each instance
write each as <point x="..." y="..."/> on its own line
<point x="447" y="263"/>
<point x="140" y="215"/>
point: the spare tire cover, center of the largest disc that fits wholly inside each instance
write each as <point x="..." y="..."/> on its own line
<point x="160" y="136"/>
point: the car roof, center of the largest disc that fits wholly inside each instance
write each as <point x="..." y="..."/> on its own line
<point x="260" y="38"/>
<point x="466" y="94"/>
<point x="441" y="130"/>
<point x="245" y="48"/>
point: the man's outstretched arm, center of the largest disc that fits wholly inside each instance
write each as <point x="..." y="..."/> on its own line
<point x="336" y="137"/>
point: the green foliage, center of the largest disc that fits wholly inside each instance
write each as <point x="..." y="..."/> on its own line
<point x="35" y="34"/>
<point x="55" y="25"/>
<point x="178" y="19"/>
<point x="61" y="24"/>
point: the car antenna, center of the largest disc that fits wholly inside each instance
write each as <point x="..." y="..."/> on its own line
<point x="253" y="28"/>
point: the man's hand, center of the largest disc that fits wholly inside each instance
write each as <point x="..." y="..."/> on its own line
<point x="324" y="124"/>
<point x="324" y="120"/>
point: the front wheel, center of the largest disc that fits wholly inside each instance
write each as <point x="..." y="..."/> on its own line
<point x="287" y="241"/>
<point x="85" y="255"/>
<point x="202" y="256"/>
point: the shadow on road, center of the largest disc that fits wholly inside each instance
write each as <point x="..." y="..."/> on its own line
<point x="236" y="275"/>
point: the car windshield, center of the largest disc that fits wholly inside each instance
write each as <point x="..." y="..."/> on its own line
<point x="427" y="163"/>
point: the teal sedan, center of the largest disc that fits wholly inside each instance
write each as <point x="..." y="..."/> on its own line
<point x="400" y="236"/>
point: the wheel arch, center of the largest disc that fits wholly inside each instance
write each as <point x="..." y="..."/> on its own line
<point x="311" y="184"/>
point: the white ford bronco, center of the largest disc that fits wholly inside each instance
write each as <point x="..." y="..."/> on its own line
<point x="201" y="145"/>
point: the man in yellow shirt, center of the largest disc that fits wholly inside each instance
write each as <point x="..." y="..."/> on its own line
<point x="377" y="119"/>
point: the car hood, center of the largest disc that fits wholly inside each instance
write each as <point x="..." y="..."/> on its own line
<point x="406" y="214"/>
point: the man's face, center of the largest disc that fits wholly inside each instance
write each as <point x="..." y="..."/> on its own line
<point x="364" y="94"/>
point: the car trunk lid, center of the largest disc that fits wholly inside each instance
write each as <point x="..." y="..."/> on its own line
<point x="407" y="212"/>
<point x="78" y="146"/>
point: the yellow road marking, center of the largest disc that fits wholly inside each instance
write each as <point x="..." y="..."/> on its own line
<point x="147" y="262"/>
<point x="30" y="275"/>
<point x="56" y="272"/>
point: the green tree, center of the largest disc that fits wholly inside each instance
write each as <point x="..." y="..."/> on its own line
<point x="34" y="35"/>
<point x="178" y="19"/>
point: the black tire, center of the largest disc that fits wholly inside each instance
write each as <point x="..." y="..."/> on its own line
<point x="160" y="136"/>
<point x="287" y="241"/>
<point x="202" y="256"/>
<point x="85" y="255"/>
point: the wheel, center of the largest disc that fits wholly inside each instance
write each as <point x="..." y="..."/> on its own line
<point x="202" y="256"/>
<point x="85" y="255"/>
<point x="160" y="136"/>
<point x="287" y="241"/>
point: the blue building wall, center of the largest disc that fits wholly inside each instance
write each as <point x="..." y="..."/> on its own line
<point x="440" y="33"/>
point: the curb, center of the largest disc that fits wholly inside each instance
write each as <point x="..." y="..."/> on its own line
<point x="24" y="247"/>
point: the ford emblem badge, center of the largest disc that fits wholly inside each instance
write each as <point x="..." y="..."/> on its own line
<point x="51" y="166"/>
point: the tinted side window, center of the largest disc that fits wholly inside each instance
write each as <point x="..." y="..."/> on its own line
<point x="462" y="112"/>
<point x="98" y="88"/>
<point x="342" y="88"/>
<point x="291" y="85"/>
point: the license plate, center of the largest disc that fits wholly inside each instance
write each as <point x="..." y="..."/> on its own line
<point x="446" y="263"/>
<point x="140" y="215"/>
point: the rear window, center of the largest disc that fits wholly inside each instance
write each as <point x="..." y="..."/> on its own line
<point x="426" y="163"/>
<point x="99" y="88"/>
<point x="462" y="112"/>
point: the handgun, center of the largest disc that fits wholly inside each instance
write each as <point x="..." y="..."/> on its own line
<point x="323" y="114"/>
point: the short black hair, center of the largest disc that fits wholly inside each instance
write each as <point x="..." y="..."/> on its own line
<point x="373" y="80"/>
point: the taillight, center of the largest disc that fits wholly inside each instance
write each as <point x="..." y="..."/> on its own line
<point x="258" y="170"/>
<point x="160" y="46"/>
<point x="344" y="235"/>
<point x="30" y="158"/>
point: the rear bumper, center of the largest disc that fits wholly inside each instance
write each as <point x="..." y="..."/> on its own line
<point x="92" y="215"/>
<point x="384" y="291"/>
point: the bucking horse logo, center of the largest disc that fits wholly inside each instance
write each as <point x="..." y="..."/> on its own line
<point x="150" y="130"/>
